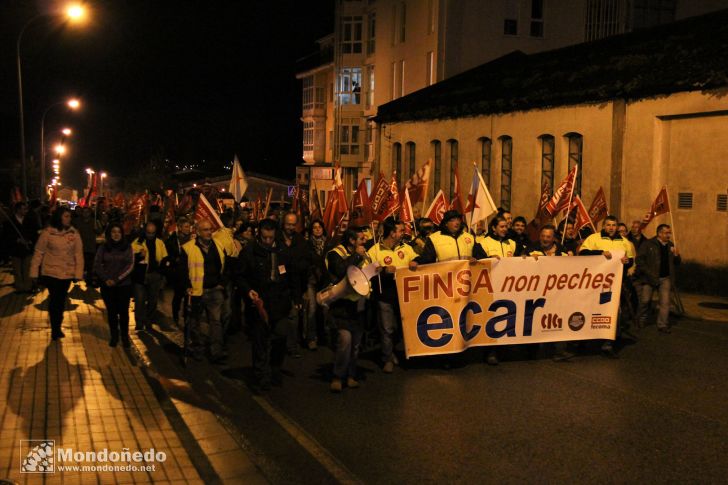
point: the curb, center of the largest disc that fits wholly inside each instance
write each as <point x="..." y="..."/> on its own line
<point x="216" y="453"/>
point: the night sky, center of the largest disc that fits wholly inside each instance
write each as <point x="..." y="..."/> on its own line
<point x="189" y="81"/>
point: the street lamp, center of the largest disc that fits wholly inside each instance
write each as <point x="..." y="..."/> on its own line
<point x="101" y="183"/>
<point x="60" y="149"/>
<point x="73" y="104"/>
<point x="66" y="131"/>
<point x="74" y="13"/>
<point x="90" y="173"/>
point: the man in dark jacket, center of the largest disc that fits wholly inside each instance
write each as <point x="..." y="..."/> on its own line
<point x="656" y="262"/>
<point x="296" y="250"/>
<point x="21" y="233"/>
<point x="263" y="277"/>
<point x="176" y="276"/>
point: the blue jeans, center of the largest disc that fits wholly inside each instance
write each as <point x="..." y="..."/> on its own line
<point x="387" y="326"/>
<point x="347" y="352"/>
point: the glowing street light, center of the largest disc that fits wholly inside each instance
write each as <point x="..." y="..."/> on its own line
<point x="66" y="131"/>
<point x="75" y="14"/>
<point x="71" y="103"/>
<point x="60" y="149"/>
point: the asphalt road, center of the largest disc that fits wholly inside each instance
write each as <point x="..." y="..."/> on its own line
<point x="659" y="413"/>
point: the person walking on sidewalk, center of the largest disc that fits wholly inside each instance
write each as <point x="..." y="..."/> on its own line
<point x="656" y="263"/>
<point x="263" y="276"/>
<point x="58" y="260"/>
<point x="176" y="276"/>
<point x="149" y="251"/>
<point x="20" y="232"/>
<point x="113" y="265"/>
<point x="295" y="248"/>
<point x="204" y="262"/>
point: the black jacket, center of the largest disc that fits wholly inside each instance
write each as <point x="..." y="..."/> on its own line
<point x="21" y="246"/>
<point x="342" y="308"/>
<point x="299" y="255"/>
<point x="266" y="270"/>
<point x="648" y="261"/>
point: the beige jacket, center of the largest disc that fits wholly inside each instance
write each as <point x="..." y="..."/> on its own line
<point x="58" y="254"/>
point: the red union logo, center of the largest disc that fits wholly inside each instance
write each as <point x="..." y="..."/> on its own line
<point x="400" y="253"/>
<point x="551" y="321"/>
<point x="388" y="260"/>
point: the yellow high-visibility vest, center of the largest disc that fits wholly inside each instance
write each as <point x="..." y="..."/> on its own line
<point x="448" y="248"/>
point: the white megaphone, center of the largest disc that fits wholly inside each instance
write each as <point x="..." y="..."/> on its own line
<point x="355" y="282"/>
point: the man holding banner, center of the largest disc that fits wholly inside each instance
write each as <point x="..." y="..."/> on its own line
<point x="451" y="242"/>
<point x="604" y="243"/>
<point x="391" y="254"/>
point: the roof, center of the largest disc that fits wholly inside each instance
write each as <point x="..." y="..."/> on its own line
<point x="688" y="55"/>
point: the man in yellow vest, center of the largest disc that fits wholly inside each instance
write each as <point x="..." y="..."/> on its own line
<point x="451" y="242"/>
<point x="150" y="254"/>
<point x="390" y="253"/>
<point x="604" y="243"/>
<point x="204" y="260"/>
<point x="348" y="312"/>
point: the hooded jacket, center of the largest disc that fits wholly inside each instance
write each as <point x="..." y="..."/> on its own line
<point x="58" y="254"/>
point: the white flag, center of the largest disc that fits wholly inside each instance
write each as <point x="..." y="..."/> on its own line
<point x="238" y="182"/>
<point x="480" y="204"/>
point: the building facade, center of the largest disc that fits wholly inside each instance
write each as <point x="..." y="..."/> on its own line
<point x="382" y="50"/>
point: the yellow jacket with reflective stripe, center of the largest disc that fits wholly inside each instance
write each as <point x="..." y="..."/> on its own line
<point x="448" y="248"/>
<point x="196" y="264"/>
<point x="224" y="237"/>
<point x="161" y="249"/>
<point x="399" y="257"/>
<point x="494" y="247"/>
<point x="598" y="242"/>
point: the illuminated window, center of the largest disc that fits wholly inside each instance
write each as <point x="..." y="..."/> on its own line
<point x="486" y="148"/>
<point x="313" y="96"/>
<point x="547" y="161"/>
<point x="349" y="137"/>
<point x="351" y="34"/>
<point x="397" y="161"/>
<point x="370" y="86"/>
<point x="308" y="127"/>
<point x="430" y="69"/>
<point x="576" y="149"/>
<point x="410" y="154"/>
<point x="372" y="33"/>
<point x="506" y="171"/>
<point x="349" y="88"/>
<point x="453" y="146"/>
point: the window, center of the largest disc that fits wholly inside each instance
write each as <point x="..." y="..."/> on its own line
<point x="403" y="22"/>
<point x="307" y="93"/>
<point x="369" y="140"/>
<point x="411" y="155"/>
<point x="437" y="169"/>
<point x="371" y="33"/>
<point x="370" y="87"/>
<point x="308" y="127"/>
<point x="430" y="69"/>
<point x="506" y="171"/>
<point x="351" y="33"/>
<point x="397" y="161"/>
<point x="486" y="147"/>
<point x="510" y="21"/>
<point x="684" y="200"/>
<point x="453" y="145"/>
<point x="401" y="79"/>
<point x="721" y="203"/>
<point x="431" y="16"/>
<point x="397" y="79"/>
<point x="608" y="17"/>
<point x="349" y="137"/>
<point x="576" y="148"/>
<point x="536" y="18"/>
<point x="547" y="161"/>
<point x="349" y="89"/>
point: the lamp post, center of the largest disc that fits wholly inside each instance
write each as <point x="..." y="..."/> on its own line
<point x="74" y="13"/>
<point x="102" y="176"/>
<point x="73" y="104"/>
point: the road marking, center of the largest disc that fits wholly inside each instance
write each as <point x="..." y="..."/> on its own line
<point x="337" y="469"/>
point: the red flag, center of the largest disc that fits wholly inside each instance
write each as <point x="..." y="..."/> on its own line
<point x="205" y="211"/>
<point x="581" y="215"/>
<point x="457" y="202"/>
<point x="438" y="207"/>
<point x="360" y="207"/>
<point x="562" y="194"/>
<point x="119" y="200"/>
<point x="317" y="213"/>
<point x="661" y="205"/>
<point x="393" y="202"/>
<point x="17" y="195"/>
<point x="331" y="220"/>
<point x="133" y="217"/>
<point x="380" y="197"/>
<point x="405" y="211"/>
<point x="598" y="209"/>
<point x="417" y="184"/>
<point x="170" y="221"/>
<point x="541" y="217"/>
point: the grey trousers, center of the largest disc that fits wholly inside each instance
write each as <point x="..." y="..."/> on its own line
<point x="646" y="298"/>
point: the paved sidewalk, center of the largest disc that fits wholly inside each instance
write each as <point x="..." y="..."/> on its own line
<point x="78" y="392"/>
<point x="698" y="307"/>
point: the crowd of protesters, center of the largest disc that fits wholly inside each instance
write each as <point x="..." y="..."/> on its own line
<point x="263" y="276"/>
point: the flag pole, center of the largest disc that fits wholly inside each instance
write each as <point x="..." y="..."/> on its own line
<point x="427" y="188"/>
<point x="568" y="207"/>
<point x="672" y="221"/>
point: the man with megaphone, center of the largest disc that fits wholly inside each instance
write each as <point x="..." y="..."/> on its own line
<point x="347" y="312"/>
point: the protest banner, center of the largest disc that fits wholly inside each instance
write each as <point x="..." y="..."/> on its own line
<point x="451" y="306"/>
